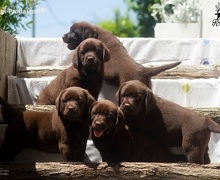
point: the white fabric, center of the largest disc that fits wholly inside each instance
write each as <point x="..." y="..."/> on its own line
<point x="146" y="51"/>
<point x="33" y="52"/>
<point x="200" y="93"/>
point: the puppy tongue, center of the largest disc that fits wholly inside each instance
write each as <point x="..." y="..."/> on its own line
<point x="98" y="133"/>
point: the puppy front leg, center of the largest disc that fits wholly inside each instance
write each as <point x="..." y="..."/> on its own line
<point x="68" y="154"/>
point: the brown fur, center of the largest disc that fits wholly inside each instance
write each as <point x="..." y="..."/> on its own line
<point x="116" y="142"/>
<point x="63" y="130"/>
<point x="121" y="67"/>
<point x="166" y="122"/>
<point x="86" y="72"/>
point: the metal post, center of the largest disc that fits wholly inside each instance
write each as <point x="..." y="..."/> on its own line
<point x="33" y="22"/>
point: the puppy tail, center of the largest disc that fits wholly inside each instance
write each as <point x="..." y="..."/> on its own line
<point x="156" y="70"/>
<point x="213" y="126"/>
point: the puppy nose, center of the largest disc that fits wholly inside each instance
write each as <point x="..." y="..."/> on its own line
<point x="72" y="108"/>
<point x="66" y="38"/>
<point x="91" y="60"/>
<point x="127" y="106"/>
<point x="98" y="125"/>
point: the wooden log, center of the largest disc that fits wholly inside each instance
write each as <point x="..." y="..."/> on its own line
<point x="181" y="71"/>
<point x="108" y="171"/>
<point x="190" y="72"/>
<point x="36" y="72"/>
<point x="213" y="113"/>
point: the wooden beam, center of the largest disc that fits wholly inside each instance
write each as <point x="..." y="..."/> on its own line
<point x="181" y="71"/>
<point x="36" y="72"/>
<point x="123" y="170"/>
<point x="190" y="72"/>
<point x="213" y="113"/>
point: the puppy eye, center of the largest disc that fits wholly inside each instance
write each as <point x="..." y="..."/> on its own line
<point x="77" y="35"/>
<point x="80" y="100"/>
<point x="122" y="95"/>
<point x="94" y="113"/>
<point x="110" y="115"/>
<point x="97" y="51"/>
<point x="64" y="100"/>
<point x="137" y="97"/>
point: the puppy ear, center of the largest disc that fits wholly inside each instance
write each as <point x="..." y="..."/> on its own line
<point x="117" y="97"/>
<point x="90" y="99"/>
<point x="89" y="32"/>
<point x="58" y="103"/>
<point x="150" y="100"/>
<point x="76" y="58"/>
<point x="106" y="53"/>
<point x="118" y="94"/>
<point x="90" y="109"/>
<point x="90" y="104"/>
<point x="120" y="123"/>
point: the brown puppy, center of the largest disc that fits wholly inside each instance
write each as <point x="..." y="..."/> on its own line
<point x="166" y="122"/>
<point x="121" y="67"/>
<point x="64" y="130"/>
<point x="117" y="143"/>
<point x="108" y="132"/>
<point x="86" y="72"/>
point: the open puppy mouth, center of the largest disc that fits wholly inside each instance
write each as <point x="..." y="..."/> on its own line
<point x="99" y="130"/>
<point x="98" y="133"/>
<point x="71" y="46"/>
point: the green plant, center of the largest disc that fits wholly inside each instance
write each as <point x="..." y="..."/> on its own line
<point x="121" y="26"/>
<point x="145" y="21"/>
<point x="12" y="13"/>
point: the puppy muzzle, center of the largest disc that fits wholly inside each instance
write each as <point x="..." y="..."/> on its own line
<point x="99" y="128"/>
<point x="126" y="107"/>
<point x="68" y="37"/>
<point x="71" y="41"/>
<point x="91" y="64"/>
<point x="72" y="112"/>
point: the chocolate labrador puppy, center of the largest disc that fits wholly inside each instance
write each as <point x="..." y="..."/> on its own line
<point x="86" y="72"/>
<point x="166" y="122"/>
<point x="108" y="131"/>
<point x="64" y="130"/>
<point x="116" y="142"/>
<point x="121" y="67"/>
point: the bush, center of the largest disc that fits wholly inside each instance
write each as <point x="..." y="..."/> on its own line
<point x="13" y="12"/>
